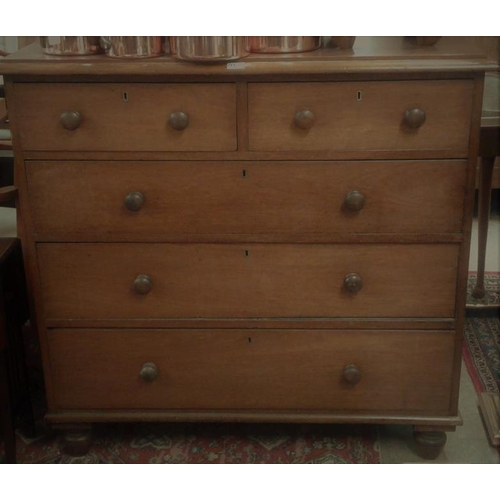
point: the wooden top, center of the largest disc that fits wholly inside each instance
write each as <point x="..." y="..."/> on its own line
<point x="370" y="54"/>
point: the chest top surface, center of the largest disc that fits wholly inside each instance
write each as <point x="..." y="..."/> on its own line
<point x="370" y="55"/>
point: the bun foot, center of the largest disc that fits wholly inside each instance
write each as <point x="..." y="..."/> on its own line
<point x="429" y="445"/>
<point x="77" y="440"/>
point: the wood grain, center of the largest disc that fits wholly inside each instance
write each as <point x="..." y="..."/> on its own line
<point x="282" y="370"/>
<point x="85" y="281"/>
<point x="140" y="123"/>
<point x="463" y="263"/>
<point x="26" y="233"/>
<point x="256" y="255"/>
<point x="219" y="198"/>
<point x="347" y="120"/>
<point x="263" y="323"/>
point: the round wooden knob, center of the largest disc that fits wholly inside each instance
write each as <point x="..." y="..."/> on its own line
<point x="71" y="120"/>
<point x="149" y="372"/>
<point x="134" y="201"/>
<point x="143" y="284"/>
<point x="351" y="374"/>
<point x="415" y="117"/>
<point x="304" y="119"/>
<point x="354" y="201"/>
<point x="178" y="120"/>
<point x="353" y="283"/>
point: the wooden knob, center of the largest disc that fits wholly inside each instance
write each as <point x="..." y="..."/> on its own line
<point x="178" y="120"/>
<point x="353" y="283"/>
<point x="351" y="374"/>
<point x="71" y="120"/>
<point x="143" y="284"/>
<point x="354" y="201"/>
<point x="304" y="119"/>
<point x="414" y="117"/>
<point x="149" y="372"/>
<point x="134" y="201"/>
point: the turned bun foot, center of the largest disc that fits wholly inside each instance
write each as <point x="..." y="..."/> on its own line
<point x="77" y="441"/>
<point x="429" y="445"/>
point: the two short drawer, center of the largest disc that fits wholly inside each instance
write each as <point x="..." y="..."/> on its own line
<point x="94" y="281"/>
<point x="251" y="370"/>
<point x="331" y="116"/>
<point x="99" y="199"/>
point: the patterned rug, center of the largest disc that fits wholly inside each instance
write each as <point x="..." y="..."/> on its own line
<point x="212" y="443"/>
<point x="492" y="288"/>
<point x="481" y="348"/>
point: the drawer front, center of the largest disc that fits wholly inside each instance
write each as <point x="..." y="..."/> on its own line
<point x="123" y="198"/>
<point x="127" y="117"/>
<point x="360" y="116"/>
<point x="112" y="281"/>
<point x="251" y="369"/>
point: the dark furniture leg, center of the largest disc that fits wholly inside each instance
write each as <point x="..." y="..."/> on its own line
<point x="429" y="444"/>
<point x="6" y="411"/>
<point x="485" y="178"/>
<point x="77" y="439"/>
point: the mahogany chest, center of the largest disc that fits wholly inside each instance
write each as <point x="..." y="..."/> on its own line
<point x="281" y="239"/>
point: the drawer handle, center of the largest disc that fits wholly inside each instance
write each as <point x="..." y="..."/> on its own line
<point x="414" y="117"/>
<point x="354" y="201"/>
<point x="351" y="374"/>
<point x="134" y="201"/>
<point x="178" y="120"/>
<point x="71" y="120"/>
<point x="304" y="119"/>
<point x="149" y="372"/>
<point x="143" y="284"/>
<point x="353" y="282"/>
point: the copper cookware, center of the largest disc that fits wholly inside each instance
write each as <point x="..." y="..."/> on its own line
<point x="343" y="42"/>
<point x="280" y="44"/>
<point x="133" y="46"/>
<point x="70" y="45"/>
<point x="209" y="48"/>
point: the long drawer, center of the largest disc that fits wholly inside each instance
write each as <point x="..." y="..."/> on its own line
<point x="251" y="369"/>
<point x="360" y="116"/>
<point x="127" y="117"/>
<point x="110" y="281"/>
<point x="144" y="198"/>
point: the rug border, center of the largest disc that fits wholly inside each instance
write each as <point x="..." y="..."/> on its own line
<point x="471" y="369"/>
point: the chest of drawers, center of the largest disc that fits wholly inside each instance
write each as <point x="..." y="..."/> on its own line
<point x="285" y="239"/>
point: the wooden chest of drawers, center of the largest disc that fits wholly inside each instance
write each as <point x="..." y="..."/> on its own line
<point x="275" y="242"/>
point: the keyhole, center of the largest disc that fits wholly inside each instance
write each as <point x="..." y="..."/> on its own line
<point x="247" y="254"/>
<point x="125" y="97"/>
<point x="358" y="95"/>
<point x="244" y="174"/>
<point x="249" y="340"/>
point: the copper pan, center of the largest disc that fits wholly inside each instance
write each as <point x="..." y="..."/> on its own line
<point x="282" y="44"/>
<point x="70" y="45"/>
<point x="209" y="48"/>
<point x="133" y="46"/>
